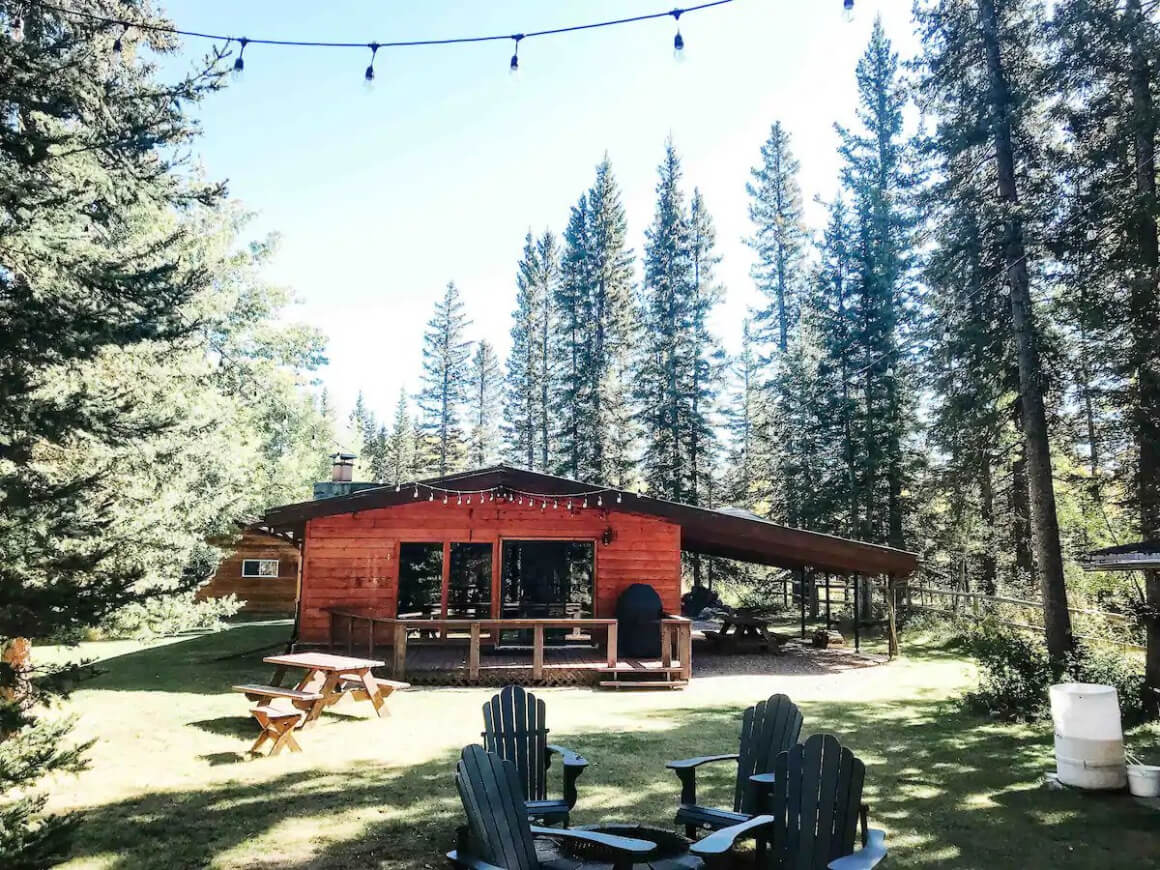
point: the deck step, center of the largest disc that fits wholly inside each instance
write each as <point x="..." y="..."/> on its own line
<point x="630" y="669"/>
<point x="643" y="684"/>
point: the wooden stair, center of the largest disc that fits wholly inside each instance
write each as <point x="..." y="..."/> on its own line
<point x="634" y="674"/>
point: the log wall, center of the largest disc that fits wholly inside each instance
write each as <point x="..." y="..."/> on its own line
<point x="351" y="560"/>
<point x="260" y="594"/>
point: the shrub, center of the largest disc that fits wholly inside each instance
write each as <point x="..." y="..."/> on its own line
<point x="1014" y="671"/>
<point x="170" y="614"/>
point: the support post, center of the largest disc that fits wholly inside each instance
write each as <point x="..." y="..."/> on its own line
<point x="666" y="645"/>
<point x="857" y="615"/>
<point x="370" y="637"/>
<point x="350" y="636"/>
<point x="612" y="657"/>
<point x="829" y="588"/>
<point x="473" y="653"/>
<point x="330" y="630"/>
<point x="538" y="652"/>
<point x="686" y="652"/>
<point x="891" y="607"/>
<point x="399" y="670"/>
<point x="802" y="597"/>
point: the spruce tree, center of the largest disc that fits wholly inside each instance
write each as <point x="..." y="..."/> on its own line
<point x="665" y="367"/>
<point x="1109" y="53"/>
<point x="400" y="459"/>
<point x="91" y="261"/>
<point x="980" y="74"/>
<point x="597" y="328"/>
<point x="880" y="184"/>
<point x="528" y="382"/>
<point x="445" y="383"/>
<point x="484" y="399"/>
<point x="779" y="235"/>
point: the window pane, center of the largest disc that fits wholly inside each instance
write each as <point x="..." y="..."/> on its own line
<point x="469" y="582"/>
<point x="268" y="568"/>
<point x="420" y="581"/>
<point x="547" y="579"/>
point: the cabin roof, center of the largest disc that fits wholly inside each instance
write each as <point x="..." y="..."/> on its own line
<point x="1126" y="557"/>
<point x="728" y="532"/>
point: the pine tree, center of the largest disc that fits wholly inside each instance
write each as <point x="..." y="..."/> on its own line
<point x="779" y="235"/>
<point x="661" y="383"/>
<point x="528" y="384"/>
<point x="595" y="337"/>
<point x="444" y="391"/>
<point x="980" y="73"/>
<point x="400" y="450"/>
<point x="876" y="174"/>
<point x="92" y="259"/>
<point x="743" y="415"/>
<point x="483" y="444"/>
<point x="1108" y="52"/>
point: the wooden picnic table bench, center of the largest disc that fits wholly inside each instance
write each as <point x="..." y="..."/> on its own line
<point x="330" y="677"/>
<point x="256" y="691"/>
<point x="746" y="627"/>
<point x="278" y="725"/>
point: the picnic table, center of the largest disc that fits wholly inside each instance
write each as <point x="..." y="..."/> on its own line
<point x="327" y="679"/>
<point x="746" y="626"/>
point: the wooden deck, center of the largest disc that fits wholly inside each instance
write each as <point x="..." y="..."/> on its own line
<point x="461" y="652"/>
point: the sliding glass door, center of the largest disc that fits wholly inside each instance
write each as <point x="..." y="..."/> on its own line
<point x="424" y="584"/>
<point x="546" y="579"/>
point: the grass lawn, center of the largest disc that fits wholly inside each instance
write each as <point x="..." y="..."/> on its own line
<point x="169" y="785"/>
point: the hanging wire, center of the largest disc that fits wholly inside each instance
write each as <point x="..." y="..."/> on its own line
<point x="406" y="43"/>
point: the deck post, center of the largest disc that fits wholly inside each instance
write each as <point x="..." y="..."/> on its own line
<point x="666" y="645"/>
<point x="686" y="650"/>
<point x="350" y="636"/>
<point x="612" y="657"/>
<point x="829" y="590"/>
<point x="857" y="615"/>
<point x="370" y="637"/>
<point x="330" y="629"/>
<point x="802" y="597"/>
<point x="399" y="670"/>
<point x="538" y="652"/>
<point x="473" y="653"/>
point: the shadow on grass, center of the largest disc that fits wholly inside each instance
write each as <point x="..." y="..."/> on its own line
<point x="229" y="726"/>
<point x="201" y="664"/>
<point x="951" y="790"/>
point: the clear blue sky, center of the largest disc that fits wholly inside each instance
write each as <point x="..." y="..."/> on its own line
<point x="382" y="195"/>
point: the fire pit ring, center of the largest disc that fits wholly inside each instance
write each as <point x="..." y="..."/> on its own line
<point x="671" y="852"/>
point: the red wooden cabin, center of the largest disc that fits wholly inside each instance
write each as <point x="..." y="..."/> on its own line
<point x="462" y="566"/>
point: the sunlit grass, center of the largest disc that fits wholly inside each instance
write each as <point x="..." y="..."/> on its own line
<point x="170" y="785"/>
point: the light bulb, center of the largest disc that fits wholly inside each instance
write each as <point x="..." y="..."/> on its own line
<point x="848" y="10"/>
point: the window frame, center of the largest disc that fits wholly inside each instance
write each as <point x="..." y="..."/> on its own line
<point x="259" y="575"/>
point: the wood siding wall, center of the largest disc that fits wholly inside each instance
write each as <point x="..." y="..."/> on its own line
<point x="260" y="594"/>
<point x="351" y="560"/>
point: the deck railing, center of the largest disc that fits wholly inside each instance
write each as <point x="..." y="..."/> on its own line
<point x="676" y="637"/>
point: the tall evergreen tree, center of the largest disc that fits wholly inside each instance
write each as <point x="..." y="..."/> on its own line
<point x="445" y="384"/>
<point x="399" y="453"/>
<point x="528" y="384"/>
<point x="597" y="326"/>
<point x="91" y="261"/>
<point x="779" y="236"/>
<point x="661" y="386"/>
<point x="880" y="184"/>
<point x="1108" y="52"/>
<point x="979" y="71"/>
<point x="485" y="388"/>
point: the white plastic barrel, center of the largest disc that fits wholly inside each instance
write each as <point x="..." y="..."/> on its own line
<point x="1089" y="742"/>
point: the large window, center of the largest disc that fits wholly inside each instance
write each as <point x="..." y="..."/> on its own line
<point x="547" y="579"/>
<point x="469" y="582"/>
<point x="420" y="581"/>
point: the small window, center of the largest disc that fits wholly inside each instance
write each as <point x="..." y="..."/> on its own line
<point x="259" y="567"/>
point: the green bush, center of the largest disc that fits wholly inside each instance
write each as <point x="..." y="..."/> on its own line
<point x="1014" y="671"/>
<point x="1015" y="674"/>
<point x="168" y="615"/>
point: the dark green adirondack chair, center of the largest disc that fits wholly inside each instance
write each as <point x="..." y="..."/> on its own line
<point x="514" y="727"/>
<point x="498" y="833"/>
<point x="815" y="805"/>
<point x="767" y="728"/>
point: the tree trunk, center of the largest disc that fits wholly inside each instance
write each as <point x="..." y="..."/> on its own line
<point x="1145" y="309"/>
<point x="988" y="579"/>
<point x="1045" y="523"/>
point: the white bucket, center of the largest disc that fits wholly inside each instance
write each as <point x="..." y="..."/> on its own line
<point x="1089" y="742"/>
<point x="1144" y="780"/>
